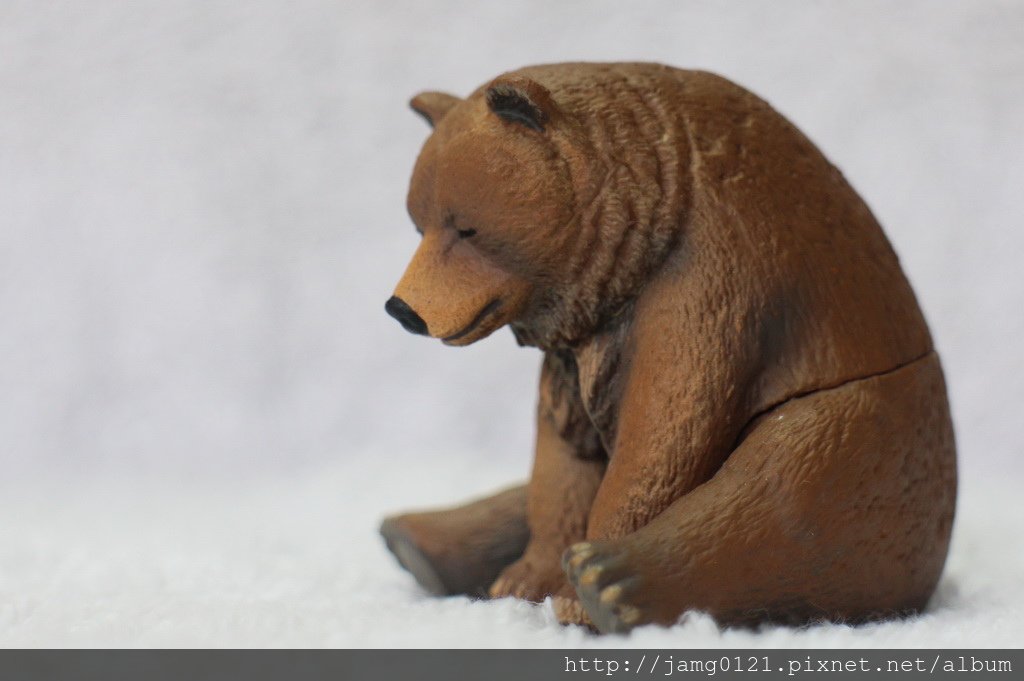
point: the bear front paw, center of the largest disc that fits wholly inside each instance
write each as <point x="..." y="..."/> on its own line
<point x="606" y="586"/>
<point x="569" y="610"/>
<point x="529" y="579"/>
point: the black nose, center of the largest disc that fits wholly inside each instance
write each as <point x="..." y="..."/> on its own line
<point x="397" y="308"/>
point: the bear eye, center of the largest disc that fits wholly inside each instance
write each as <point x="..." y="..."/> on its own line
<point x="463" y="233"/>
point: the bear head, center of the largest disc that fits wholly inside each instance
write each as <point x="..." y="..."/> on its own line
<point x="525" y="220"/>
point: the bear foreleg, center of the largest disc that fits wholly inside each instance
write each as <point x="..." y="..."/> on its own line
<point x="566" y="474"/>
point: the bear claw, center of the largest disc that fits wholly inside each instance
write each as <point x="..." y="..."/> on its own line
<point x="529" y="578"/>
<point x="604" y="586"/>
<point x="576" y="554"/>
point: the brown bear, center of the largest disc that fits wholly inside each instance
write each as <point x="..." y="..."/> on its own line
<point x="741" y="410"/>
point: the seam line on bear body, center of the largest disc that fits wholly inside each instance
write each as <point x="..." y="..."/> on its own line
<point x="749" y="425"/>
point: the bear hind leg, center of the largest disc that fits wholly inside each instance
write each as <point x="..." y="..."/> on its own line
<point x="837" y="505"/>
<point x="461" y="550"/>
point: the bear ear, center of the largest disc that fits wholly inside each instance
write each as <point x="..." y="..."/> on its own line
<point x="521" y="101"/>
<point x="433" y="105"/>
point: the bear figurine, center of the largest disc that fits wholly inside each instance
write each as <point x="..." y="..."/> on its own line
<point x="741" y="410"/>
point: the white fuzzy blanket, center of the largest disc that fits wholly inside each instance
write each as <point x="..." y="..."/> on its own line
<point x="297" y="562"/>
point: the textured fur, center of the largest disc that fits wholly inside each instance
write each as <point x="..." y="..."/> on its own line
<point x="695" y="270"/>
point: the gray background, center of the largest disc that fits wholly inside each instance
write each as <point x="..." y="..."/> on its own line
<point x="202" y="213"/>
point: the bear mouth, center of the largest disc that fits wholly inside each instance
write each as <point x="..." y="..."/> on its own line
<point x="483" y="314"/>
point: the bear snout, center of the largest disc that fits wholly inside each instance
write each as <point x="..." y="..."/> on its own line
<point x="406" y="316"/>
